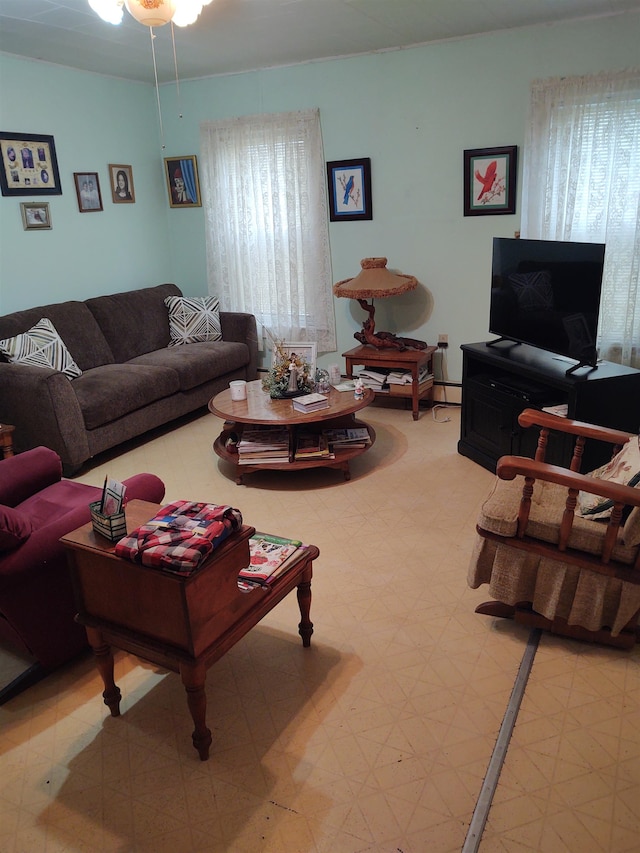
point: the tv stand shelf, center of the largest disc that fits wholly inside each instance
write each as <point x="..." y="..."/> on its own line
<point x="501" y="379"/>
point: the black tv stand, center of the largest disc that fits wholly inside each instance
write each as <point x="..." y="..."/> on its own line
<point x="499" y="382"/>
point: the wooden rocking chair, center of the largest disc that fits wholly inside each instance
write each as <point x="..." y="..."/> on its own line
<point x="547" y="566"/>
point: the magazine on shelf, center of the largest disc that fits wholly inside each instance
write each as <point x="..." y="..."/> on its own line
<point x="311" y="445"/>
<point x="347" y="437"/>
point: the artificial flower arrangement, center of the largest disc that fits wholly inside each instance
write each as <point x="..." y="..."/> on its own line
<point x="290" y="375"/>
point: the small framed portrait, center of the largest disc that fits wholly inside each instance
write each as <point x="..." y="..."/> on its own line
<point x="349" y="190"/>
<point x="28" y="165"/>
<point x="183" y="184"/>
<point x="88" y="191"/>
<point x="490" y="176"/>
<point x="35" y="215"/>
<point x="121" y="179"/>
<point x="297" y="351"/>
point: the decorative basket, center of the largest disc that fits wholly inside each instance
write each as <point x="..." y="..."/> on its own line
<point x="112" y="527"/>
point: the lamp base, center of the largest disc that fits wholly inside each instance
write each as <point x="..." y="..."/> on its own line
<point x="383" y="340"/>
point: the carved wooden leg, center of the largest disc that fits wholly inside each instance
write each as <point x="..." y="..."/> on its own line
<point x="104" y="663"/>
<point x="305" y="628"/>
<point x="193" y="677"/>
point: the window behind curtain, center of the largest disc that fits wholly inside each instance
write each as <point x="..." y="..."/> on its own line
<point x="264" y="194"/>
<point x="581" y="182"/>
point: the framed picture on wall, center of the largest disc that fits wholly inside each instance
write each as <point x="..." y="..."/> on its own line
<point x="28" y="165"/>
<point x="35" y="215"/>
<point x="88" y="191"/>
<point x="183" y="184"/>
<point x="490" y="176"/>
<point x="349" y="190"/>
<point x="121" y="178"/>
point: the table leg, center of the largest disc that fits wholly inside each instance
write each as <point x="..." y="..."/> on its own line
<point x="193" y="677"/>
<point x="305" y="628"/>
<point x="104" y="663"/>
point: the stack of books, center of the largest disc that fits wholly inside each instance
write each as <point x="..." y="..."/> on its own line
<point x="311" y="445"/>
<point x="264" y="443"/>
<point x="310" y="403"/>
<point x="374" y="379"/>
<point x="338" y="438"/>
<point x="401" y="382"/>
<point x="269" y="558"/>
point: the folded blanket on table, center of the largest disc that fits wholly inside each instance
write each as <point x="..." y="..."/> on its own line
<point x="180" y="536"/>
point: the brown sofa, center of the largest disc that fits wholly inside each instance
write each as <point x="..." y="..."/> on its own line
<point x="131" y="381"/>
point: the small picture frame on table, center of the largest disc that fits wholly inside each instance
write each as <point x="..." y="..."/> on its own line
<point x="87" y="186"/>
<point x="35" y="215"/>
<point x="490" y="177"/>
<point x="302" y="349"/>
<point x="349" y="190"/>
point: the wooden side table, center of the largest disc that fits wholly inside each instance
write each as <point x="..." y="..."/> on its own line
<point x="182" y="623"/>
<point x="6" y="440"/>
<point x="393" y="359"/>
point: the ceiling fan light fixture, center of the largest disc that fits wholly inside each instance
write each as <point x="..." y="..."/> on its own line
<point x="151" y="13"/>
<point x="109" y="10"/>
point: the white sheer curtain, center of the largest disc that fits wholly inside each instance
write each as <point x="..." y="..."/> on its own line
<point x="264" y="194"/>
<point x="581" y="182"/>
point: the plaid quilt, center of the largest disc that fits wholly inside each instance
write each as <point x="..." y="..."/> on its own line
<point x="180" y="536"/>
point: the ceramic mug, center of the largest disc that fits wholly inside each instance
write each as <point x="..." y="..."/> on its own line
<point x="238" y="389"/>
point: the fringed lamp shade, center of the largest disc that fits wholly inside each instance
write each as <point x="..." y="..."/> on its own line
<point x="374" y="281"/>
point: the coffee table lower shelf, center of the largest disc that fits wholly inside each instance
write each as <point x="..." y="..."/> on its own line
<point x="341" y="460"/>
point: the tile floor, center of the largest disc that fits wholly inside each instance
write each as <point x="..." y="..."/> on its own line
<point x="378" y="737"/>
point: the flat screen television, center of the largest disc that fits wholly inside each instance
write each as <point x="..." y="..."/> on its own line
<point x="546" y="293"/>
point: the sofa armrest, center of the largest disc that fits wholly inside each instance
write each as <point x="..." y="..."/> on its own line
<point x="42" y="405"/>
<point x="27" y="473"/>
<point x="241" y="327"/>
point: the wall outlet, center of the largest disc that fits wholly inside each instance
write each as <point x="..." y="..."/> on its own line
<point x="443" y="341"/>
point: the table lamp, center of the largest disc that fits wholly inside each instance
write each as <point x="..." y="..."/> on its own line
<point x="375" y="281"/>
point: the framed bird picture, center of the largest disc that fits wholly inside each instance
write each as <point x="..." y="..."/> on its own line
<point x="349" y="190"/>
<point x="490" y="177"/>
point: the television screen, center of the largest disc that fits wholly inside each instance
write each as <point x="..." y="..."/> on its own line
<point x="547" y="293"/>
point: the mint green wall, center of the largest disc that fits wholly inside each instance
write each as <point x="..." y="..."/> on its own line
<point x="413" y="112"/>
<point x="95" y="121"/>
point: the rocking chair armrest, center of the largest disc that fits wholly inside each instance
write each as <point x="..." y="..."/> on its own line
<point x="510" y="466"/>
<point x="534" y="417"/>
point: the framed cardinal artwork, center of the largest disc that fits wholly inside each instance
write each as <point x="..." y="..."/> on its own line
<point x="490" y="176"/>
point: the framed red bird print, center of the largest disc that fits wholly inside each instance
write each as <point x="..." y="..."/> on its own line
<point x="490" y="177"/>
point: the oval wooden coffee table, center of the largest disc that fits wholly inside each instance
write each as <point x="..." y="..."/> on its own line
<point x="259" y="408"/>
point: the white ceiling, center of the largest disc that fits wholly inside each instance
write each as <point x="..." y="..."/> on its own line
<point x="241" y="35"/>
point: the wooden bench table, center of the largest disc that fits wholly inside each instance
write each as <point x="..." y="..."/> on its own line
<point x="182" y="623"/>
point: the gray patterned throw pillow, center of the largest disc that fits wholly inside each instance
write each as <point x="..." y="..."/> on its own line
<point x="41" y="346"/>
<point x="193" y="319"/>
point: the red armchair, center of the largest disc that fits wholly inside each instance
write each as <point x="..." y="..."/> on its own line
<point x="37" y="507"/>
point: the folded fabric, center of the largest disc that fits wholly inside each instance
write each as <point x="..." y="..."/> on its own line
<point x="181" y="536"/>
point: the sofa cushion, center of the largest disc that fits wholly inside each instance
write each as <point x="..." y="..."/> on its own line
<point x="74" y="323"/>
<point x="113" y="390"/>
<point x="196" y="364"/>
<point x="15" y="528"/>
<point x="41" y="346"/>
<point x="193" y="319"/>
<point x="135" y="322"/>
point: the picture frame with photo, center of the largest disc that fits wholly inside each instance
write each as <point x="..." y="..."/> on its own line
<point x="304" y="350"/>
<point x="28" y="165"/>
<point x="490" y="176"/>
<point x="35" y="215"/>
<point x="183" y="184"/>
<point x="349" y="190"/>
<point x="121" y="180"/>
<point x="88" y="193"/>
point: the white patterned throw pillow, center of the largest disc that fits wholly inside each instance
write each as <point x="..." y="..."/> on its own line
<point x="193" y="319"/>
<point x="41" y="346"/>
